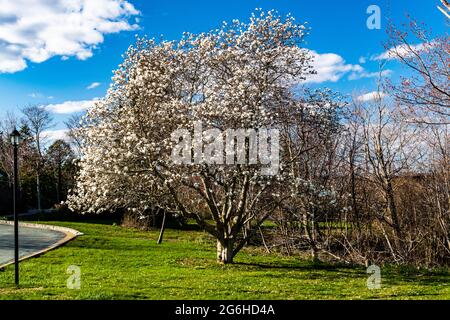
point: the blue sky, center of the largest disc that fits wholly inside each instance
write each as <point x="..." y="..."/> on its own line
<point x="64" y="61"/>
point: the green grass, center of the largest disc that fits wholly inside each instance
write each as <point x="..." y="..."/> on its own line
<point x="119" y="263"/>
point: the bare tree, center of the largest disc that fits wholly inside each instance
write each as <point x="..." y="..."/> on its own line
<point x="7" y="125"/>
<point x="73" y="125"/>
<point x="425" y="94"/>
<point x="58" y="155"/>
<point x="38" y="119"/>
<point x="310" y="135"/>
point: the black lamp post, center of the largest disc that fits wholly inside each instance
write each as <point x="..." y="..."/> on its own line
<point x="15" y="139"/>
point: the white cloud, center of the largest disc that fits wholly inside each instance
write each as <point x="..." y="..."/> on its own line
<point x="400" y="50"/>
<point x="38" y="30"/>
<point x="52" y="135"/>
<point x="371" y="96"/>
<point x="71" y="106"/>
<point x="35" y="95"/>
<point x="38" y="95"/>
<point x="93" y="85"/>
<point x="364" y="74"/>
<point x="331" y="67"/>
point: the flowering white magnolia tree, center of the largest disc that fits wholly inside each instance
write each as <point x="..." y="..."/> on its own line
<point x="237" y="77"/>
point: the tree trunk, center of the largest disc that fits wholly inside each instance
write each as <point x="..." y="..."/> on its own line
<point x="59" y="188"/>
<point x="393" y="210"/>
<point x="225" y="251"/>
<point x="353" y="192"/>
<point x="38" y="192"/>
<point x="314" y="253"/>
<point x="310" y="235"/>
<point x="163" y="227"/>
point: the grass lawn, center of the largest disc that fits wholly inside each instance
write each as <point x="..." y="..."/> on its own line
<point x="119" y="263"/>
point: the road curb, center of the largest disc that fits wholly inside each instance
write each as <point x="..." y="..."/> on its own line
<point x="70" y="234"/>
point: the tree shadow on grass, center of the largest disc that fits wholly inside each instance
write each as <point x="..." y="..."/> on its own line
<point x="312" y="266"/>
<point x="418" y="279"/>
<point x="395" y="275"/>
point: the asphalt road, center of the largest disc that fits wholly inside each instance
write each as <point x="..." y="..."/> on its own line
<point x="31" y="240"/>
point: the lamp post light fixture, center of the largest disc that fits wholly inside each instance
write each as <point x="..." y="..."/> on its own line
<point x="15" y="139"/>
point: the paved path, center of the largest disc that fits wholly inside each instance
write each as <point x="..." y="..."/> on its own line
<point x="31" y="240"/>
